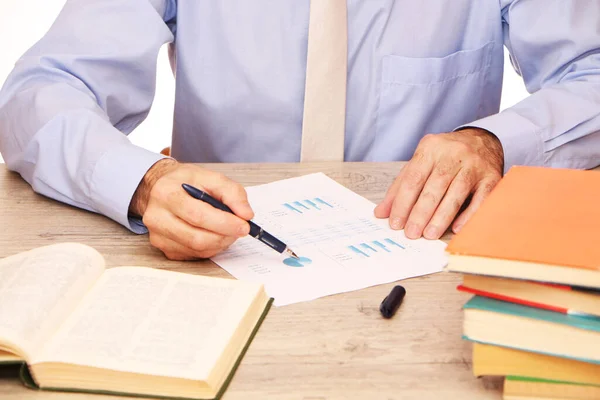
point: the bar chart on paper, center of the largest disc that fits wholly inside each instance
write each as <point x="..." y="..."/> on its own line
<point x="371" y="248"/>
<point x="308" y="205"/>
<point x="342" y="246"/>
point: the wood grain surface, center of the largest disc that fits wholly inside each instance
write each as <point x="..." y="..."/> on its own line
<point x="337" y="347"/>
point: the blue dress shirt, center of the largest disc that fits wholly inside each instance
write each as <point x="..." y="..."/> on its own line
<point x="414" y="67"/>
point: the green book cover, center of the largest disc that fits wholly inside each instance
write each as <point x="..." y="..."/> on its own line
<point x="29" y="382"/>
<point x="528" y="379"/>
<point x="11" y="362"/>
<point x="503" y="307"/>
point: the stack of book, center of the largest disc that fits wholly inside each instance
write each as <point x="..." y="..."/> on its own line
<point x="530" y="256"/>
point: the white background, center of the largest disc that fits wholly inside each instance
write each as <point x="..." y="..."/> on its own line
<point x="23" y="22"/>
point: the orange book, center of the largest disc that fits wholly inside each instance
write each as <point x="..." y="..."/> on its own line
<point x="539" y="224"/>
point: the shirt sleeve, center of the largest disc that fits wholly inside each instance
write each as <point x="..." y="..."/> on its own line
<point x="555" y="46"/>
<point x="70" y="101"/>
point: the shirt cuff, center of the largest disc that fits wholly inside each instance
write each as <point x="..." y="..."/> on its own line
<point x="116" y="177"/>
<point x="520" y="139"/>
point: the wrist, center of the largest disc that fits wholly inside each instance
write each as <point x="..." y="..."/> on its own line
<point x="489" y="143"/>
<point x="139" y="201"/>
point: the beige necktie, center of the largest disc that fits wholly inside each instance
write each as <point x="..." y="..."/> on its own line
<point x="323" y="123"/>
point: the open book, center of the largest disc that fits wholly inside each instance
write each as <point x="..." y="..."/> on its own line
<point x="77" y="326"/>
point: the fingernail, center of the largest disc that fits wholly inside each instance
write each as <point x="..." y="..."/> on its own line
<point x="431" y="232"/>
<point x="411" y="230"/>
<point x="395" y="223"/>
<point x="457" y="228"/>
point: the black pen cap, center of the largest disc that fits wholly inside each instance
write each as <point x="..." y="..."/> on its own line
<point x="390" y="304"/>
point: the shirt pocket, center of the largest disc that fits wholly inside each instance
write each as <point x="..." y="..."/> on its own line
<point x="428" y="95"/>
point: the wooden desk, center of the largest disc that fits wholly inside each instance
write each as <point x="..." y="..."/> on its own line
<point x="336" y="347"/>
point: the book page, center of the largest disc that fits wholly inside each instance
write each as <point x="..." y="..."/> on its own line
<point x="152" y="322"/>
<point x="40" y="287"/>
<point x="341" y="244"/>
<point x="7" y="357"/>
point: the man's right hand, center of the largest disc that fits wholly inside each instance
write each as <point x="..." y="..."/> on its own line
<point x="182" y="227"/>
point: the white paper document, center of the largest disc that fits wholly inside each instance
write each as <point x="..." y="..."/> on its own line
<point x="342" y="246"/>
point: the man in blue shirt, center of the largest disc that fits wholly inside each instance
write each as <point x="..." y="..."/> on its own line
<point x="414" y="68"/>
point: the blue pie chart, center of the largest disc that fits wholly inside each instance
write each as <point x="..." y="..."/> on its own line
<point x="292" y="262"/>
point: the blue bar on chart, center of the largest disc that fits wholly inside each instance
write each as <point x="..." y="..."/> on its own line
<point x="301" y="205"/>
<point x="381" y="245"/>
<point x="358" y="251"/>
<point x="366" y="246"/>
<point x="312" y="204"/>
<point x="290" y="207"/>
<point x="390" y="241"/>
<point x="319" y="200"/>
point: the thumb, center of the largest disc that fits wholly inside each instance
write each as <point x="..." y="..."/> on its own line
<point x="384" y="208"/>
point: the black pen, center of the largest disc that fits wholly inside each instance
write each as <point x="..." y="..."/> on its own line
<point x="255" y="230"/>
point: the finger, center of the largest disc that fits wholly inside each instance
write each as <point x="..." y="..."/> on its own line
<point x="229" y="192"/>
<point x="432" y="194"/>
<point x="205" y="216"/>
<point x="384" y="208"/>
<point x="172" y="250"/>
<point x="484" y="188"/>
<point x="161" y="222"/>
<point x="176" y="251"/>
<point x="197" y="239"/>
<point x="453" y="200"/>
<point x="409" y="188"/>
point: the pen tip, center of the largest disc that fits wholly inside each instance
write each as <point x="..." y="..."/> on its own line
<point x="292" y="254"/>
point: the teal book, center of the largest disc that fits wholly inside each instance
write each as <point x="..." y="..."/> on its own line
<point x="532" y="329"/>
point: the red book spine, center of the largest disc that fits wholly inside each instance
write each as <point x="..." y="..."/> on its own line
<point x="509" y="299"/>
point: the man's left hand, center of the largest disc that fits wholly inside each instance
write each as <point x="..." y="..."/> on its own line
<point x="444" y="171"/>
